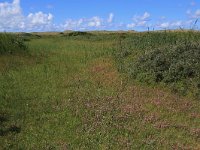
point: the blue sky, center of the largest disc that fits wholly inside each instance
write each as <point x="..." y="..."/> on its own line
<point x="60" y="15"/>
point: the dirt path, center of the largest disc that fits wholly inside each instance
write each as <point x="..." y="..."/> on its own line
<point x="152" y="116"/>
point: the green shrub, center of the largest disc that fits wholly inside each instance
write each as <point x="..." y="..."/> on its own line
<point x="171" y="64"/>
<point x="10" y="43"/>
<point x="79" y="33"/>
<point x="29" y="36"/>
<point x="172" y="58"/>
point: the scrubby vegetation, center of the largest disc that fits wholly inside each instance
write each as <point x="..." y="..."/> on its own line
<point x="79" y="33"/>
<point x="71" y="93"/>
<point x="11" y="43"/>
<point x="169" y="58"/>
<point x="29" y="36"/>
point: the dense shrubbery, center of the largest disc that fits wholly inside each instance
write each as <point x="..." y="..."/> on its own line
<point x="91" y="36"/>
<point x="171" y="64"/>
<point x="79" y="33"/>
<point x="10" y="43"/>
<point x="172" y="59"/>
<point x="29" y="36"/>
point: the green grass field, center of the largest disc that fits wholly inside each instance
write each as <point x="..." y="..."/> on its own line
<point x="71" y="91"/>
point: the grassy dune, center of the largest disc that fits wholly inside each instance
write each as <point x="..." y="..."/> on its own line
<point x="70" y="92"/>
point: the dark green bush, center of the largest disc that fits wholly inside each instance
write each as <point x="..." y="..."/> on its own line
<point x="11" y="43"/>
<point x="170" y="64"/>
<point x="79" y="33"/>
<point x="29" y="36"/>
<point x="169" y="58"/>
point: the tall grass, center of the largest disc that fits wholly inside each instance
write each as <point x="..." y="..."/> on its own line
<point x="11" y="43"/>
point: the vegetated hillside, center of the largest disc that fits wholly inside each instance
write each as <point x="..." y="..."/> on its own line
<point x="167" y="58"/>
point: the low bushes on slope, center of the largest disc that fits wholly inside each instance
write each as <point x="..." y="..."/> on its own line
<point x="10" y="43"/>
<point x="172" y="59"/>
<point x="170" y="65"/>
<point x="79" y="33"/>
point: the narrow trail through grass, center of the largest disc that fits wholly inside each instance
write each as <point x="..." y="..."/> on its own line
<point x="74" y="98"/>
<point x="141" y="117"/>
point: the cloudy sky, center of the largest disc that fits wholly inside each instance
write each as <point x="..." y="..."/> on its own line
<point x="60" y="15"/>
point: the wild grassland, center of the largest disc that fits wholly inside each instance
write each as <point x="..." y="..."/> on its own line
<point x="67" y="93"/>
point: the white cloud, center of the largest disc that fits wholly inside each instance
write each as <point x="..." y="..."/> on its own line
<point x="110" y="18"/>
<point x="139" y="21"/>
<point x="164" y="25"/>
<point x="131" y="25"/>
<point x="197" y="14"/>
<point x="189" y="22"/>
<point x="176" y="24"/>
<point x="16" y="2"/>
<point x="145" y="16"/>
<point x="7" y="9"/>
<point x="39" y="18"/>
<point x="95" y="22"/>
<point x="194" y="15"/>
<point x="39" y="21"/>
<point x="73" y="24"/>
<point x="83" y="23"/>
<point x="12" y="18"/>
<point x="172" y="24"/>
<point x="10" y="14"/>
